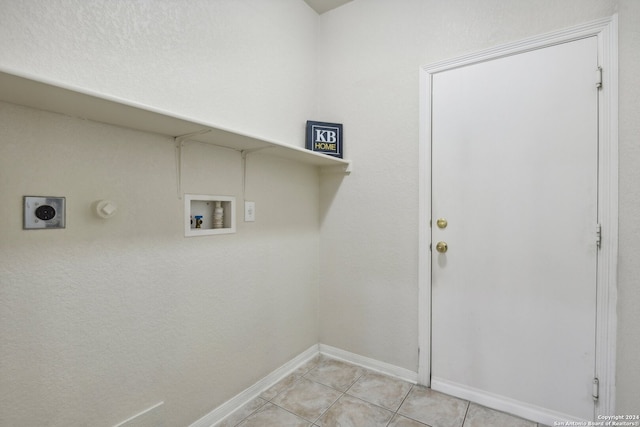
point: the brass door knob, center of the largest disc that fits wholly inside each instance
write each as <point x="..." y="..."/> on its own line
<point x="441" y="247"/>
<point x="442" y="223"/>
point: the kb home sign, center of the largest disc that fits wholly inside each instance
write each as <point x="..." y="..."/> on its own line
<point x="325" y="138"/>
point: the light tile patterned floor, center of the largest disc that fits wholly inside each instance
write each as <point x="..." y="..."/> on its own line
<point x="327" y="392"/>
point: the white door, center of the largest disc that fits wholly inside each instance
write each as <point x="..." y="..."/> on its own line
<point x="514" y="173"/>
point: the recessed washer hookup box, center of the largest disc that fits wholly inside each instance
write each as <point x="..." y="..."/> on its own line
<point x="325" y="138"/>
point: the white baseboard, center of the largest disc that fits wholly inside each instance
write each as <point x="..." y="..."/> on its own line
<point x="235" y="403"/>
<point x="255" y="390"/>
<point x="501" y="403"/>
<point x="366" y="362"/>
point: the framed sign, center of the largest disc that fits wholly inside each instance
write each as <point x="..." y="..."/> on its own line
<point x="325" y="138"/>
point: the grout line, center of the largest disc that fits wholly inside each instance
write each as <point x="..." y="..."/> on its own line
<point x="286" y="410"/>
<point x="333" y="388"/>
<point x="256" y="410"/>
<point x="466" y="413"/>
<point x="400" y="406"/>
<point x="329" y="407"/>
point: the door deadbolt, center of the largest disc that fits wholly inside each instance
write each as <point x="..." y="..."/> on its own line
<point x="442" y="223"/>
<point x="441" y="247"/>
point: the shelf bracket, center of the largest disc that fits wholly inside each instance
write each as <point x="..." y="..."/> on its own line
<point x="179" y="141"/>
<point x="243" y="155"/>
<point x="253" y="150"/>
<point x="339" y="169"/>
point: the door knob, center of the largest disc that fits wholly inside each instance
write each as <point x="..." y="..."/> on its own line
<point x="442" y="223"/>
<point x="441" y="247"/>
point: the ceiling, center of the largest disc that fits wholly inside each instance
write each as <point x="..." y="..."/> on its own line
<point x="322" y="6"/>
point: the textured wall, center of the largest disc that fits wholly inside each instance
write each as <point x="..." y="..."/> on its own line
<point x="370" y="54"/>
<point x="109" y="317"/>
<point x="224" y="61"/>
<point x="104" y="319"/>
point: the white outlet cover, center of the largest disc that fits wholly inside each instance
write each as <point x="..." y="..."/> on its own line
<point x="249" y="211"/>
<point x="44" y="212"/>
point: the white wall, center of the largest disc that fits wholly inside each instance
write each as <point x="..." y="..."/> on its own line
<point x="370" y="54"/>
<point x="246" y="65"/>
<point x="106" y="318"/>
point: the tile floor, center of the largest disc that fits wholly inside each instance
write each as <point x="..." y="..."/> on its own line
<point x="326" y="392"/>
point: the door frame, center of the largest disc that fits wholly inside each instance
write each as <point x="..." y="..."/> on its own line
<point x="606" y="31"/>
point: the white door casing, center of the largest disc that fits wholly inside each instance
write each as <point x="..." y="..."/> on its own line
<point x="604" y="34"/>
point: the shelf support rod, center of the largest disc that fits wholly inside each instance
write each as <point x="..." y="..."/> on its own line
<point x="243" y="155"/>
<point x="179" y="141"/>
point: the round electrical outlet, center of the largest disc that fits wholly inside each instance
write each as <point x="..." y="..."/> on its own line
<point x="45" y="212"/>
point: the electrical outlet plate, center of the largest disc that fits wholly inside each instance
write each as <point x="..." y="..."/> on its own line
<point x="44" y="212"/>
<point x="249" y="211"/>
